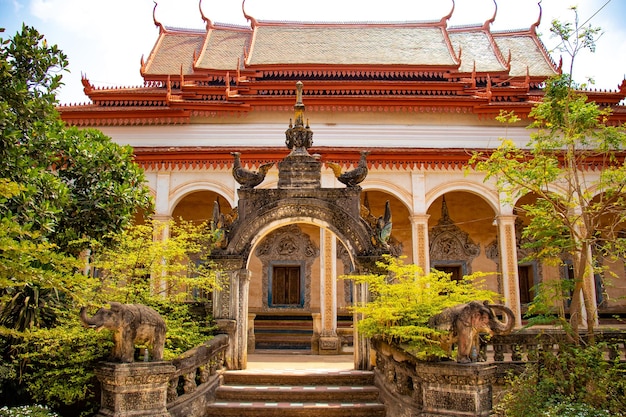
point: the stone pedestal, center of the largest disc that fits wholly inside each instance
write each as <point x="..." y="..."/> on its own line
<point x="329" y="345"/>
<point x="299" y="171"/>
<point x="134" y="389"/>
<point x="451" y="389"/>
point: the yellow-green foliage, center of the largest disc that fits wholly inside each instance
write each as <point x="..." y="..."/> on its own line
<point x="162" y="273"/>
<point x="138" y="267"/>
<point x="404" y="298"/>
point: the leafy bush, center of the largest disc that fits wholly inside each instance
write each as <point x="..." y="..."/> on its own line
<point x="27" y="411"/>
<point x="576" y="381"/>
<point x="404" y="299"/>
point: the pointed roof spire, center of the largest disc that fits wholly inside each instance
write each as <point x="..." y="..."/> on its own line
<point x="445" y="216"/>
<point x="299" y="137"/>
<point x="299" y="106"/>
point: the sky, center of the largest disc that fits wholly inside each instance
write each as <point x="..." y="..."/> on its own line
<point x="105" y="39"/>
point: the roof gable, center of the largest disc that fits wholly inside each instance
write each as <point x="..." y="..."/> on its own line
<point x="174" y="53"/>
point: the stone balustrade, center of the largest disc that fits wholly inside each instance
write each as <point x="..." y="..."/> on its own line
<point x="411" y="387"/>
<point x="180" y="388"/>
<point x="522" y="346"/>
<point x="192" y="386"/>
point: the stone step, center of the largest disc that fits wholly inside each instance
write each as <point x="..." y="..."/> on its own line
<point x="283" y="332"/>
<point x="269" y="393"/>
<point x="300" y="378"/>
<point x="293" y="392"/>
<point x="289" y="409"/>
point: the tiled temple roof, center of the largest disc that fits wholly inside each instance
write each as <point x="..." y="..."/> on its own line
<point x="394" y="66"/>
<point x="351" y="44"/>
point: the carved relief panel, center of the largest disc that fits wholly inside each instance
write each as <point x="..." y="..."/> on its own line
<point x="287" y="256"/>
<point x="450" y="245"/>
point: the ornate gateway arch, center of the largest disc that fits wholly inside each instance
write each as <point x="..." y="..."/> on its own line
<point x="299" y="198"/>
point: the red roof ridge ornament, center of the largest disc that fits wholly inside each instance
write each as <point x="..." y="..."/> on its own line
<point x="251" y="19"/>
<point x="156" y="22"/>
<point x="490" y="21"/>
<point x="534" y="26"/>
<point x="444" y="20"/>
<point x="88" y="87"/>
<point x="207" y="21"/>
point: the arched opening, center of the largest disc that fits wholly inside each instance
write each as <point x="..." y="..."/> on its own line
<point x="197" y="206"/>
<point x="296" y="299"/>
<point x="463" y="237"/>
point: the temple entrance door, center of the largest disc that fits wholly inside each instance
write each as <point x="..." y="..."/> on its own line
<point x="286" y="286"/>
<point x="296" y="300"/>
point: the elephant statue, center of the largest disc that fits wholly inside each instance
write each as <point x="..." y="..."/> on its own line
<point x="130" y="323"/>
<point x="466" y="322"/>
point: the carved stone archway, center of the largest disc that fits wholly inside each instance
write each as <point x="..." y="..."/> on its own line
<point x="299" y="198"/>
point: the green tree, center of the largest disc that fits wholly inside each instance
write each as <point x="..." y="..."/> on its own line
<point x="575" y="382"/>
<point x="404" y="299"/>
<point x="34" y="277"/>
<point x="74" y="185"/>
<point x="56" y="363"/>
<point x="77" y="184"/>
<point x="60" y="190"/>
<point x="573" y="166"/>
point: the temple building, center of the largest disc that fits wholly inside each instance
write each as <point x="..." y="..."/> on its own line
<point x="409" y="101"/>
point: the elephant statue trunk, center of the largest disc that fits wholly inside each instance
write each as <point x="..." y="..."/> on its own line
<point x="130" y="324"/>
<point x="88" y="322"/>
<point x="465" y="322"/>
<point x="498" y="326"/>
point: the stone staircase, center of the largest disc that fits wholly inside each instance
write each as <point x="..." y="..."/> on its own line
<point x="324" y="393"/>
<point x="283" y="331"/>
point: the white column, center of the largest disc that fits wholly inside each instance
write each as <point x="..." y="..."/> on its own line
<point x="419" y="222"/>
<point x="162" y="198"/>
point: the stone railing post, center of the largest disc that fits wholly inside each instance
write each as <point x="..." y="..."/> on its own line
<point x="134" y="389"/>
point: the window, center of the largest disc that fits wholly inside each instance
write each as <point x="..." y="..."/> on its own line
<point x="286" y="286"/>
<point x="456" y="271"/>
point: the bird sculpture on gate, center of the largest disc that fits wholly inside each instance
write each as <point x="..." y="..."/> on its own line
<point x="383" y="227"/>
<point x="246" y="178"/>
<point x="351" y="178"/>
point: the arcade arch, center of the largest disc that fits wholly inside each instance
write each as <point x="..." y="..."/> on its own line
<point x="197" y="206"/>
<point x="462" y="231"/>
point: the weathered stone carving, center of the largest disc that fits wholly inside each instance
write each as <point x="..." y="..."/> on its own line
<point x="245" y="177"/>
<point x="354" y="177"/>
<point x="130" y="323"/>
<point x="466" y="321"/>
<point x="298" y="137"/>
